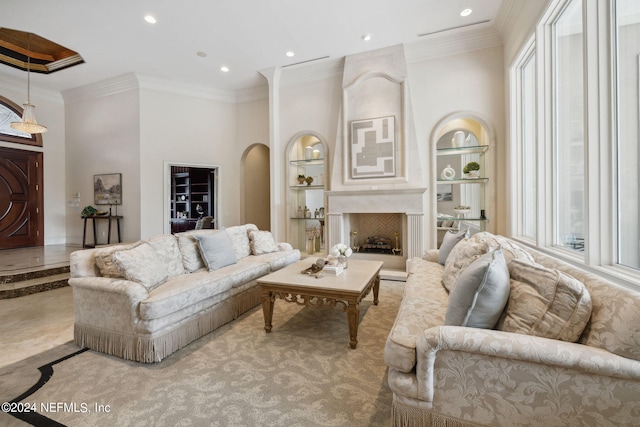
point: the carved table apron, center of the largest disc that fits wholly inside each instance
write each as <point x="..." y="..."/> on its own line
<point x="346" y="289"/>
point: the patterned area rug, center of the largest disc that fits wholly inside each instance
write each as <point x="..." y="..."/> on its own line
<point x="303" y="373"/>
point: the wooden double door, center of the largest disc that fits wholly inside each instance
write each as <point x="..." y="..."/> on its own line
<point x="21" y="199"/>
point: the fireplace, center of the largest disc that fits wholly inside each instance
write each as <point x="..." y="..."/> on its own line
<point x="379" y="233"/>
<point x="378" y="184"/>
<point x="378" y="214"/>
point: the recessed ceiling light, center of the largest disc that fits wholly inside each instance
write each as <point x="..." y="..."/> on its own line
<point x="366" y="37"/>
<point x="201" y="54"/>
<point x="290" y="54"/>
<point x="150" y="19"/>
<point x="466" y="12"/>
<point x="224" y="69"/>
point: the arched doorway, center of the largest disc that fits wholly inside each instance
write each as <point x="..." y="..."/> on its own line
<point x="256" y="205"/>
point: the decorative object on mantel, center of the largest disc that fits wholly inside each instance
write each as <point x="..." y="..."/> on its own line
<point x="448" y="173"/>
<point x="301" y="179"/>
<point x="342" y="252"/>
<point x="28" y="123"/>
<point x="471" y="170"/>
<point x="309" y="180"/>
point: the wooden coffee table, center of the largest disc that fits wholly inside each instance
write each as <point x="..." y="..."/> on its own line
<point x="346" y="289"/>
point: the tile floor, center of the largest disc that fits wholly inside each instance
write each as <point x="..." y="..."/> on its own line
<point x="34" y="323"/>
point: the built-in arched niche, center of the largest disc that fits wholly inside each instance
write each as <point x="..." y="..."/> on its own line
<point x="307" y="176"/>
<point x="463" y="175"/>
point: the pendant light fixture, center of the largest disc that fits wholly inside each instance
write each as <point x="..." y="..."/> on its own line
<point x="28" y="123"/>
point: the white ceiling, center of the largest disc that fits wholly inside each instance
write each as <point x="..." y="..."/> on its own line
<point x="245" y="35"/>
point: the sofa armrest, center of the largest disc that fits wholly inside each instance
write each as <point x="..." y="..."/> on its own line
<point x="535" y="352"/>
<point x="134" y="291"/>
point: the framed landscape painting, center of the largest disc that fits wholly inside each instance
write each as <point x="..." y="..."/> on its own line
<point x="107" y="189"/>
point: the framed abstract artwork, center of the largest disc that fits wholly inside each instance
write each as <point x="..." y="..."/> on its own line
<point x="373" y="148"/>
<point x="107" y="189"/>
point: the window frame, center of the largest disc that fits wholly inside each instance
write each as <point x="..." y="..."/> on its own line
<point x="601" y="142"/>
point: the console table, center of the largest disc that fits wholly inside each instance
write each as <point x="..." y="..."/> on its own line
<point x="93" y="218"/>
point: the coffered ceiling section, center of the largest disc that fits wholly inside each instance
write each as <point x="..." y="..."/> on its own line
<point x="20" y="50"/>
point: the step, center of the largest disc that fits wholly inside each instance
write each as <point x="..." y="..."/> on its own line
<point x="18" y="288"/>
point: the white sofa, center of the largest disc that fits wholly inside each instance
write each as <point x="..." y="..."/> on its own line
<point x="145" y="300"/>
<point x="442" y="374"/>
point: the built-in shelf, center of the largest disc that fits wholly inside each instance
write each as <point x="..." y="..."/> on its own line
<point x="450" y="151"/>
<point x="463" y="181"/>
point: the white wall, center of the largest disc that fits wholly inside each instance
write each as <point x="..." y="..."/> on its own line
<point x="50" y="113"/>
<point x="471" y="81"/>
<point x="182" y="128"/>
<point x="103" y="136"/>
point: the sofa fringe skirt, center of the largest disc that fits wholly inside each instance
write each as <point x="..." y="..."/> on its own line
<point x="149" y="349"/>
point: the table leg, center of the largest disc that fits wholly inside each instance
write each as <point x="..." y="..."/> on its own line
<point x="84" y="234"/>
<point x="95" y="234"/>
<point x="353" y="313"/>
<point x="267" y="309"/>
<point x="376" y="289"/>
<point x="109" y="232"/>
<point x="118" y="225"/>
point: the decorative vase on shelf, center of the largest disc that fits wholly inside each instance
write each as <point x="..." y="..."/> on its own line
<point x="448" y="173"/>
<point x="301" y="179"/>
<point x="309" y="180"/>
<point x="308" y="153"/>
<point x="458" y="139"/>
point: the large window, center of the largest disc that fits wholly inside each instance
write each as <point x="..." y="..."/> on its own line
<point x="627" y="25"/>
<point x="575" y="115"/>
<point x="523" y="87"/>
<point x="568" y="143"/>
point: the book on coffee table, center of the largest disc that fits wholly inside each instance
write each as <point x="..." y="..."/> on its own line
<point x="332" y="269"/>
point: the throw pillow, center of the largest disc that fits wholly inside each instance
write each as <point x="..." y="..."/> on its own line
<point x="480" y="294"/>
<point x="105" y="262"/>
<point x="546" y="303"/>
<point x="166" y="246"/>
<point x="450" y="239"/>
<point x="261" y="242"/>
<point x="239" y="235"/>
<point x="216" y="250"/>
<point x="461" y="256"/>
<point x="141" y="264"/>
<point x="189" y="251"/>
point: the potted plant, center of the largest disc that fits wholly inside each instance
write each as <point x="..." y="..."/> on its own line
<point x="471" y="170"/>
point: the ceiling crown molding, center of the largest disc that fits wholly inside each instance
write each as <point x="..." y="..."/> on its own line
<point x="452" y="43"/>
<point x="312" y="71"/>
<point x="12" y="84"/>
<point x="133" y="81"/>
<point x="162" y="85"/>
<point x="113" y="86"/>
<point x="507" y="17"/>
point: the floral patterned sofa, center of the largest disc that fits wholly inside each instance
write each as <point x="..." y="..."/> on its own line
<point x="572" y="358"/>
<point x="145" y="300"/>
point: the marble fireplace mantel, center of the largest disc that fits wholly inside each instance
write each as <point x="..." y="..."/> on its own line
<point x="408" y="201"/>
